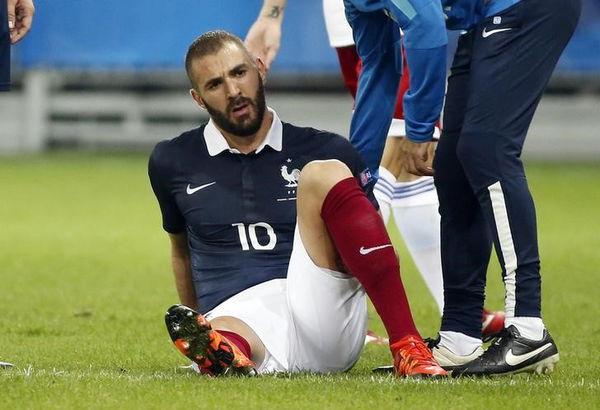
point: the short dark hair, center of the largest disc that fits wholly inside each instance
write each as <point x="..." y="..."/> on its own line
<point x="208" y="43"/>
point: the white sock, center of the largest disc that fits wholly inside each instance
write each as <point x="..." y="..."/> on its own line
<point x="459" y="343"/>
<point x="415" y="208"/>
<point x="384" y="192"/>
<point x="529" y="327"/>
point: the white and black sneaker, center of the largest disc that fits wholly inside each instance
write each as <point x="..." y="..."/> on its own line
<point x="512" y="353"/>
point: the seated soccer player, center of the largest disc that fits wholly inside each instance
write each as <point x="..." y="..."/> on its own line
<point x="273" y="239"/>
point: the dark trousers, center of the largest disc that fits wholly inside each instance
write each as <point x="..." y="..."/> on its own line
<point x="499" y="72"/>
<point x="4" y="48"/>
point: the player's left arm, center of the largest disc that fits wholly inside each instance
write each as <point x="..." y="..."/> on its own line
<point x="20" y="18"/>
<point x="264" y="37"/>
<point x="425" y="43"/>
<point x="182" y="270"/>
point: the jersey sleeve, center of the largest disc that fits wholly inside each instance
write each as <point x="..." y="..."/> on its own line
<point x="172" y="219"/>
<point x="425" y="47"/>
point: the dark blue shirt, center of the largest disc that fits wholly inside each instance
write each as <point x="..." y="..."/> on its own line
<point x="239" y="210"/>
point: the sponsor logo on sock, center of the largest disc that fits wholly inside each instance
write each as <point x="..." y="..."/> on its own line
<point x="366" y="251"/>
<point x="515" y="360"/>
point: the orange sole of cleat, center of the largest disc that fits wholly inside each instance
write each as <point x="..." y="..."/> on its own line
<point x="193" y="336"/>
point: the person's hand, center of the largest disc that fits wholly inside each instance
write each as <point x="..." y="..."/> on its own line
<point x="264" y="38"/>
<point x="20" y="17"/>
<point x="418" y="155"/>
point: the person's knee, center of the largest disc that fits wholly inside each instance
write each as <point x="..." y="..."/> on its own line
<point x="478" y="160"/>
<point x="318" y="177"/>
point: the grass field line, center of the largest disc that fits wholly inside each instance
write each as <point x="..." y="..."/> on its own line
<point x="520" y="380"/>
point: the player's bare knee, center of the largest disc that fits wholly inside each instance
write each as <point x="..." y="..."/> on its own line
<point x="320" y="176"/>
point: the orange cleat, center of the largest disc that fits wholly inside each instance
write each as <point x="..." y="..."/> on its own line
<point x="412" y="358"/>
<point x="492" y="324"/>
<point x="214" y="354"/>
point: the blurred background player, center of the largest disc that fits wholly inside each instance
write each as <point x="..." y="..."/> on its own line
<point x="235" y="195"/>
<point x="412" y="199"/>
<point x="16" y="17"/>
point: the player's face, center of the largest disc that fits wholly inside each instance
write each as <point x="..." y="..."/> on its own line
<point x="229" y="85"/>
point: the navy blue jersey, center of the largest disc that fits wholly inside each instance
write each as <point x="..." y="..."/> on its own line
<point x="4" y="48"/>
<point x="239" y="210"/>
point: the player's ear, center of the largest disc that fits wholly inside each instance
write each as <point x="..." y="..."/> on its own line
<point x="196" y="97"/>
<point x="262" y="69"/>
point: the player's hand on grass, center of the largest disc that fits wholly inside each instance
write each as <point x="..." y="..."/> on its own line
<point x="264" y="37"/>
<point x="20" y="17"/>
<point x="418" y="156"/>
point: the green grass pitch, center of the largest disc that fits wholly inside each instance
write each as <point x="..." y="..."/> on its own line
<point x="85" y="280"/>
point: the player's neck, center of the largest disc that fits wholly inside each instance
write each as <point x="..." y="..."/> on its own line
<point x="248" y="144"/>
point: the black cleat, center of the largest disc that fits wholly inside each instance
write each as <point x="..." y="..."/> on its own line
<point x="512" y="353"/>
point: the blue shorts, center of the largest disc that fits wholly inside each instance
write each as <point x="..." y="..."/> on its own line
<point x="4" y="48"/>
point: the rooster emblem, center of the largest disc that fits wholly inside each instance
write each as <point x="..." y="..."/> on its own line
<point x="290" y="177"/>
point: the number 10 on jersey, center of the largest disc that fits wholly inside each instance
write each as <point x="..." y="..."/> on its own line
<point x="250" y="231"/>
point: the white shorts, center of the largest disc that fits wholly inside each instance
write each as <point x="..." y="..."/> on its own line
<point x="314" y="321"/>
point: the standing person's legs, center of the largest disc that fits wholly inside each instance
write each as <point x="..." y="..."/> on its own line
<point x="509" y="71"/>
<point x="465" y="240"/>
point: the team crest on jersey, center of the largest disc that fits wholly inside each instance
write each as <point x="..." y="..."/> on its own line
<point x="290" y="176"/>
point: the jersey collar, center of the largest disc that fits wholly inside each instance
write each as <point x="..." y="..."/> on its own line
<point x="216" y="142"/>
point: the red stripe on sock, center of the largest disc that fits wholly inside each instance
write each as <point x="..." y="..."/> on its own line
<point x="366" y="249"/>
<point x="238" y="341"/>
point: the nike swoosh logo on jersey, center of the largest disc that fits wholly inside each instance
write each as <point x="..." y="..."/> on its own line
<point x="366" y="251"/>
<point x="191" y="190"/>
<point x="514" y="360"/>
<point x="486" y="33"/>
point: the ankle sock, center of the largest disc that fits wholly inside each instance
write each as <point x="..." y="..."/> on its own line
<point x="529" y="327"/>
<point x="459" y="343"/>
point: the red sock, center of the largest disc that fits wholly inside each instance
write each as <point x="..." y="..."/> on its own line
<point x="238" y="341"/>
<point x="366" y="249"/>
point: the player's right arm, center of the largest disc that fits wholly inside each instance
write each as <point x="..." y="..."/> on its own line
<point x="264" y="37"/>
<point x="182" y="270"/>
